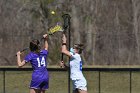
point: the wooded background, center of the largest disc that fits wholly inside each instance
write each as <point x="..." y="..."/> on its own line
<point x="109" y="29"/>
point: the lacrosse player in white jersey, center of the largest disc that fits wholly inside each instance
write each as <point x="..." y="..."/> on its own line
<point x="76" y="75"/>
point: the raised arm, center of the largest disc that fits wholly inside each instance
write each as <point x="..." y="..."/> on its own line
<point x="64" y="47"/>
<point x="45" y="41"/>
<point x="19" y="62"/>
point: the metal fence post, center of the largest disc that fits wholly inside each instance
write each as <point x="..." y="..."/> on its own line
<point x="130" y="73"/>
<point x="3" y="81"/>
<point x="99" y="81"/>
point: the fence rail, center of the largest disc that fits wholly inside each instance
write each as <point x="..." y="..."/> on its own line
<point x="99" y="70"/>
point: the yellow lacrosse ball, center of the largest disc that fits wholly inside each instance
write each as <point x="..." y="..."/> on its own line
<point x="52" y="12"/>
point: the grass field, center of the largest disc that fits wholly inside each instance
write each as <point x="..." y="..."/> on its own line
<point x="110" y="82"/>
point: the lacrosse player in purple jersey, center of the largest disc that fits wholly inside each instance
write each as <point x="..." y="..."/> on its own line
<point x="37" y="58"/>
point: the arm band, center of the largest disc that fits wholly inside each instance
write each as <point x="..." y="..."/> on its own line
<point x="64" y="44"/>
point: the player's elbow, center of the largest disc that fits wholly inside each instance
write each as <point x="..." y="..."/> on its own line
<point x="20" y="66"/>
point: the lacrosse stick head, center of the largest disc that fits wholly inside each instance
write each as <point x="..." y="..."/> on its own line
<point x="66" y="18"/>
<point x="54" y="29"/>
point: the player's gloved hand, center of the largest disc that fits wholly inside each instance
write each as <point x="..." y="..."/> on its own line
<point x="18" y="53"/>
<point x="62" y="65"/>
<point x="45" y="36"/>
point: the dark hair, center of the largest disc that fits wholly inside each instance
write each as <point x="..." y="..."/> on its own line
<point x="34" y="45"/>
<point x="79" y="47"/>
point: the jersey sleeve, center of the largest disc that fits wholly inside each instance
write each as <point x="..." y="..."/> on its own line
<point x="27" y="58"/>
<point x="44" y="52"/>
<point x="72" y="55"/>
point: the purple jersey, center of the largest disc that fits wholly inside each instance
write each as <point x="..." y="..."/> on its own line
<point x="40" y="77"/>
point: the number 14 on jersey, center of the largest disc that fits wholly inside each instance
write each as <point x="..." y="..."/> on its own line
<point x="41" y="62"/>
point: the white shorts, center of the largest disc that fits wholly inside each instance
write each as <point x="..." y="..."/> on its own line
<point x="80" y="84"/>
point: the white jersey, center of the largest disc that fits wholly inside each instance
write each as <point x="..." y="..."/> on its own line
<point x="76" y="66"/>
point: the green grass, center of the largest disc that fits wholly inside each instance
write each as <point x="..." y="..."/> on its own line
<point x="114" y="82"/>
<point x="111" y="82"/>
<point x="135" y="82"/>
